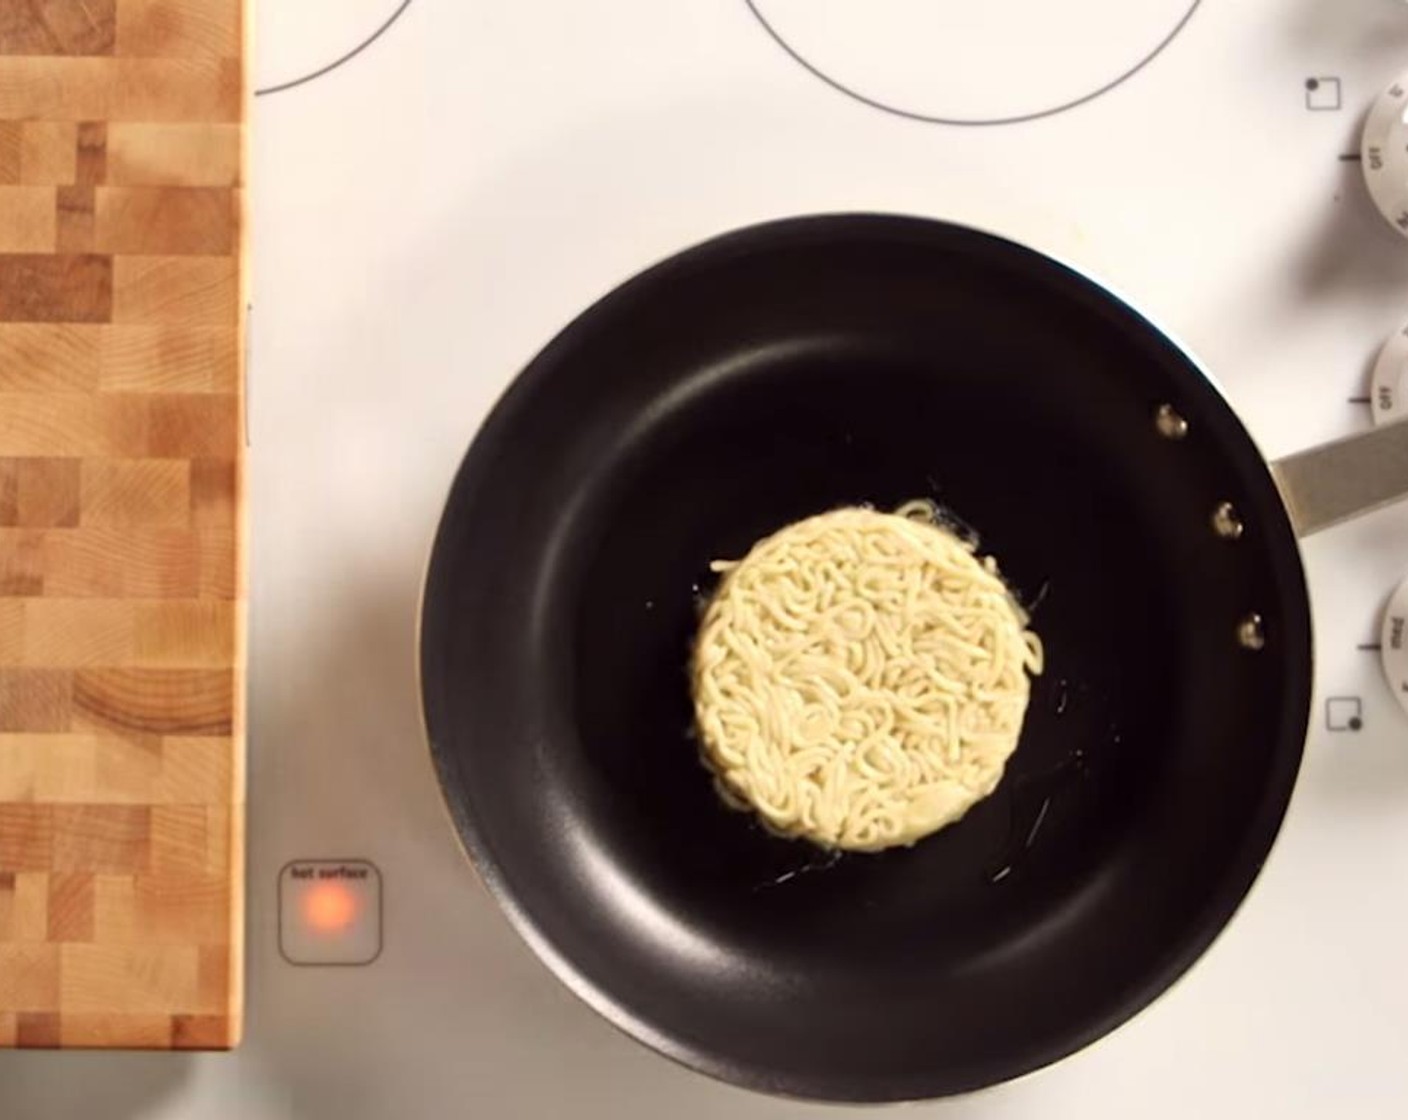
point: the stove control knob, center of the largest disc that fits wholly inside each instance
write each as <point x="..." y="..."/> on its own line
<point x="1395" y="644"/>
<point x="1384" y="148"/>
<point x="1388" y="391"/>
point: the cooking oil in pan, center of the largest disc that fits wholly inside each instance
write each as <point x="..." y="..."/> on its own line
<point x="1029" y="800"/>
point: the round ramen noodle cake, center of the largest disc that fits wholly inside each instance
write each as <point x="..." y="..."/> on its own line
<point x="860" y="678"/>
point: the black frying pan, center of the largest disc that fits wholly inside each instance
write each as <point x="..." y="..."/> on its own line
<point x="782" y="371"/>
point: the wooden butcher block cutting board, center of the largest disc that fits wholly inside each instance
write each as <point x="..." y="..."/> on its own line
<point x="121" y="572"/>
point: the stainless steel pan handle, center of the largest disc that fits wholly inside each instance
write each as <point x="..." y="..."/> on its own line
<point x="1325" y="485"/>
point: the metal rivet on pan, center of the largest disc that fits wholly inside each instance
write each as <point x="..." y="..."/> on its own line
<point x="1170" y="424"/>
<point x="1226" y="523"/>
<point x="1251" y="632"/>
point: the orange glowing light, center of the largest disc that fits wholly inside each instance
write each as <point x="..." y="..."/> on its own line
<point x="329" y="907"/>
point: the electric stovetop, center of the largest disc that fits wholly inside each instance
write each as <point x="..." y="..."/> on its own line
<point x="440" y="185"/>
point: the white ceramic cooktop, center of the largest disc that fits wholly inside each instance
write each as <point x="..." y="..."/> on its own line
<point x="430" y="211"/>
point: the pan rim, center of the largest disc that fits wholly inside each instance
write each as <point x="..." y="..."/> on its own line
<point x="1236" y="882"/>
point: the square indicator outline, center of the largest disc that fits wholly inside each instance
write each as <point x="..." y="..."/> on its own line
<point x="1356" y="716"/>
<point x="1327" y="82"/>
<point x="380" y="914"/>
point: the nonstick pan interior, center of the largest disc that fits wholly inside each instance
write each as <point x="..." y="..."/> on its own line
<point x="782" y="371"/>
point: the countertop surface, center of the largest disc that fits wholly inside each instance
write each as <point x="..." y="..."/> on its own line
<point x="121" y="583"/>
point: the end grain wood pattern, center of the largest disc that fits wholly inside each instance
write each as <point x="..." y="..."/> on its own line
<point x="121" y="578"/>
